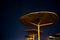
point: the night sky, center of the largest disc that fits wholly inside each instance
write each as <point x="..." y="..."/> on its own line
<point x="13" y="29"/>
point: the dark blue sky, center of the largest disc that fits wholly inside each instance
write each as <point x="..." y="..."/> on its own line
<point x="12" y="10"/>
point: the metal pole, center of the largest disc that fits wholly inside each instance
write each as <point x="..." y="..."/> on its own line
<point x="33" y="37"/>
<point x="38" y="31"/>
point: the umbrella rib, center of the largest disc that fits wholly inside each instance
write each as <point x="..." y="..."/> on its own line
<point x="41" y="24"/>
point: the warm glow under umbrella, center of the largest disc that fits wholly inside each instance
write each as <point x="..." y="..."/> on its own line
<point x="39" y="20"/>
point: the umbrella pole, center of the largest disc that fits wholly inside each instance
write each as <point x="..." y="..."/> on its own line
<point x="38" y="31"/>
<point x="33" y="37"/>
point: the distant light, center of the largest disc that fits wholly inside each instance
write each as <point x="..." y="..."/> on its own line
<point x="51" y="37"/>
